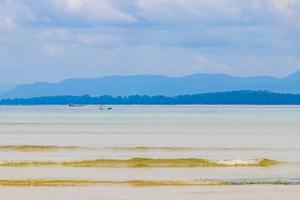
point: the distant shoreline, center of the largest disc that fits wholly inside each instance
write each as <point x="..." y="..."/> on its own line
<point x="244" y="97"/>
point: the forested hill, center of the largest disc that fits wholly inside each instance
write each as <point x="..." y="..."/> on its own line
<point x="234" y="97"/>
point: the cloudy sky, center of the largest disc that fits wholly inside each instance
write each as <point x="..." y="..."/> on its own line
<point x="50" y="40"/>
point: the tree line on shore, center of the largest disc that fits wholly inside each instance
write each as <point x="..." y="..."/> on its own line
<point x="232" y="97"/>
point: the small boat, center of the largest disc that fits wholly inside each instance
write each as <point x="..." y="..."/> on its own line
<point x="75" y="105"/>
<point x="101" y="107"/>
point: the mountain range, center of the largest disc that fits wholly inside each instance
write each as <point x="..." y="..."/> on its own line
<point x="155" y="85"/>
<point x="5" y="87"/>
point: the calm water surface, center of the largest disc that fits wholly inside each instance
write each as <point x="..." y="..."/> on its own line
<point x="150" y="152"/>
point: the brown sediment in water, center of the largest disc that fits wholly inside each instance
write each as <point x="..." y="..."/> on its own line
<point x="145" y="163"/>
<point x="44" y="182"/>
<point x="132" y="183"/>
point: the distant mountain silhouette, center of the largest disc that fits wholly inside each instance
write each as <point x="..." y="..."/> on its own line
<point x="6" y="87"/>
<point x="156" y="85"/>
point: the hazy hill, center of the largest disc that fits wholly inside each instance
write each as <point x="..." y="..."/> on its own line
<point x="6" y="87"/>
<point x="156" y="85"/>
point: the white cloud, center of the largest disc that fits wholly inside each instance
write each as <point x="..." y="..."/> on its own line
<point x="54" y="50"/>
<point x="200" y="59"/>
<point x="149" y="36"/>
<point x="84" y="38"/>
<point x="289" y="9"/>
<point x="112" y="12"/>
<point x="172" y="11"/>
<point x="12" y="13"/>
<point x="6" y="23"/>
<point x="206" y="64"/>
<point x="90" y="10"/>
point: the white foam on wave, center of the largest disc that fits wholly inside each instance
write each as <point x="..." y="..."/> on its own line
<point x="238" y="162"/>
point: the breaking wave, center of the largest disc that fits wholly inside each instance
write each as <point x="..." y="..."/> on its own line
<point x="146" y="162"/>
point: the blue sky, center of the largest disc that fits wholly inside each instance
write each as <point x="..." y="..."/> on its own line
<point x="51" y="40"/>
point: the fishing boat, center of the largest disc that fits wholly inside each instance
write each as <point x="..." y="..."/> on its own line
<point x="101" y="107"/>
<point x="75" y="105"/>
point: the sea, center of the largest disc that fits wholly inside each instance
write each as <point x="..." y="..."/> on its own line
<point x="186" y="152"/>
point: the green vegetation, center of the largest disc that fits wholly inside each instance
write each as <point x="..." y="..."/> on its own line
<point x="235" y="97"/>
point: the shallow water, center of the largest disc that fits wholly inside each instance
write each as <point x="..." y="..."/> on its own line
<point x="153" y="152"/>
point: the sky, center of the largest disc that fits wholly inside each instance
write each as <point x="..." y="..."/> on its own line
<point x="51" y="40"/>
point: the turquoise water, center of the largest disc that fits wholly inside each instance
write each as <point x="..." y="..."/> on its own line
<point x="232" y="139"/>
